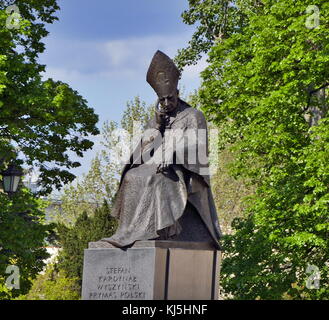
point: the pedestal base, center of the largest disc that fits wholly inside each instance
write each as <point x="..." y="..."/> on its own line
<point x="151" y="270"/>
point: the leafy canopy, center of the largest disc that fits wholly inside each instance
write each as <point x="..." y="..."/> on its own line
<point x="266" y="80"/>
<point x="40" y="120"/>
<point x="22" y="239"/>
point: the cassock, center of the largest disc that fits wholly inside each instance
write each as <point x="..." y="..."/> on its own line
<point x="173" y="205"/>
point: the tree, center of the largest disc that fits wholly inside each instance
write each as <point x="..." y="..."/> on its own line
<point x="136" y="110"/>
<point x="52" y="285"/>
<point x="22" y="239"/>
<point x="259" y="86"/>
<point x="40" y="121"/>
<point x="229" y="192"/>
<point x="215" y="20"/>
<point x="36" y="115"/>
<point x="87" y="193"/>
<point x="73" y="240"/>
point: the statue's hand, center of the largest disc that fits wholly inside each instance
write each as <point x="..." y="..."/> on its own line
<point x="160" y="119"/>
<point x="164" y="166"/>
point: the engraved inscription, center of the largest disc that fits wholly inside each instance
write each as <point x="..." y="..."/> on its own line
<point x="117" y="283"/>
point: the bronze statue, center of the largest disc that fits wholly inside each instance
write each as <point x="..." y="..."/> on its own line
<point x="169" y="199"/>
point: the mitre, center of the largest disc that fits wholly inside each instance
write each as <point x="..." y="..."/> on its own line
<point x="163" y="75"/>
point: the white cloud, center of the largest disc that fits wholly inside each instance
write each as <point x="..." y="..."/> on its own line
<point x="65" y="75"/>
<point x="193" y="72"/>
<point x="123" y="58"/>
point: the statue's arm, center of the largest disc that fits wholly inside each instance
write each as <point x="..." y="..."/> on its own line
<point x="193" y="154"/>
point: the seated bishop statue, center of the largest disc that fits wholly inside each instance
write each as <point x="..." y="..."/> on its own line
<point x="164" y="191"/>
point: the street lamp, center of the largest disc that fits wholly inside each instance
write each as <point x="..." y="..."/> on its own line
<point x="11" y="178"/>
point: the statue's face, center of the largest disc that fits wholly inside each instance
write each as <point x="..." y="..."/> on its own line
<point x="169" y="102"/>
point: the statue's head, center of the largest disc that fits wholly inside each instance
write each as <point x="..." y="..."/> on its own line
<point x="163" y="77"/>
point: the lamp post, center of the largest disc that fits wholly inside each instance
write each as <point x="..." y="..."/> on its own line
<point x="11" y="178"/>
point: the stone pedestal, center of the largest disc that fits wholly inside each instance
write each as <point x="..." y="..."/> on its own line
<point x="151" y="270"/>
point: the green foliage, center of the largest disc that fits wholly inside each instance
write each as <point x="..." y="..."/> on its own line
<point x="229" y="193"/>
<point x="74" y="240"/>
<point x="52" y="285"/>
<point x="136" y="110"/>
<point x="215" y="21"/>
<point x="88" y="192"/>
<point x="36" y="115"/>
<point x="22" y="239"/>
<point x="261" y="83"/>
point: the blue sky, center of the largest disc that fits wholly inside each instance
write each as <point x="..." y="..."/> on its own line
<point x="103" y="48"/>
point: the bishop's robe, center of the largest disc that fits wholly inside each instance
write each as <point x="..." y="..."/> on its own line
<point x="174" y="205"/>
